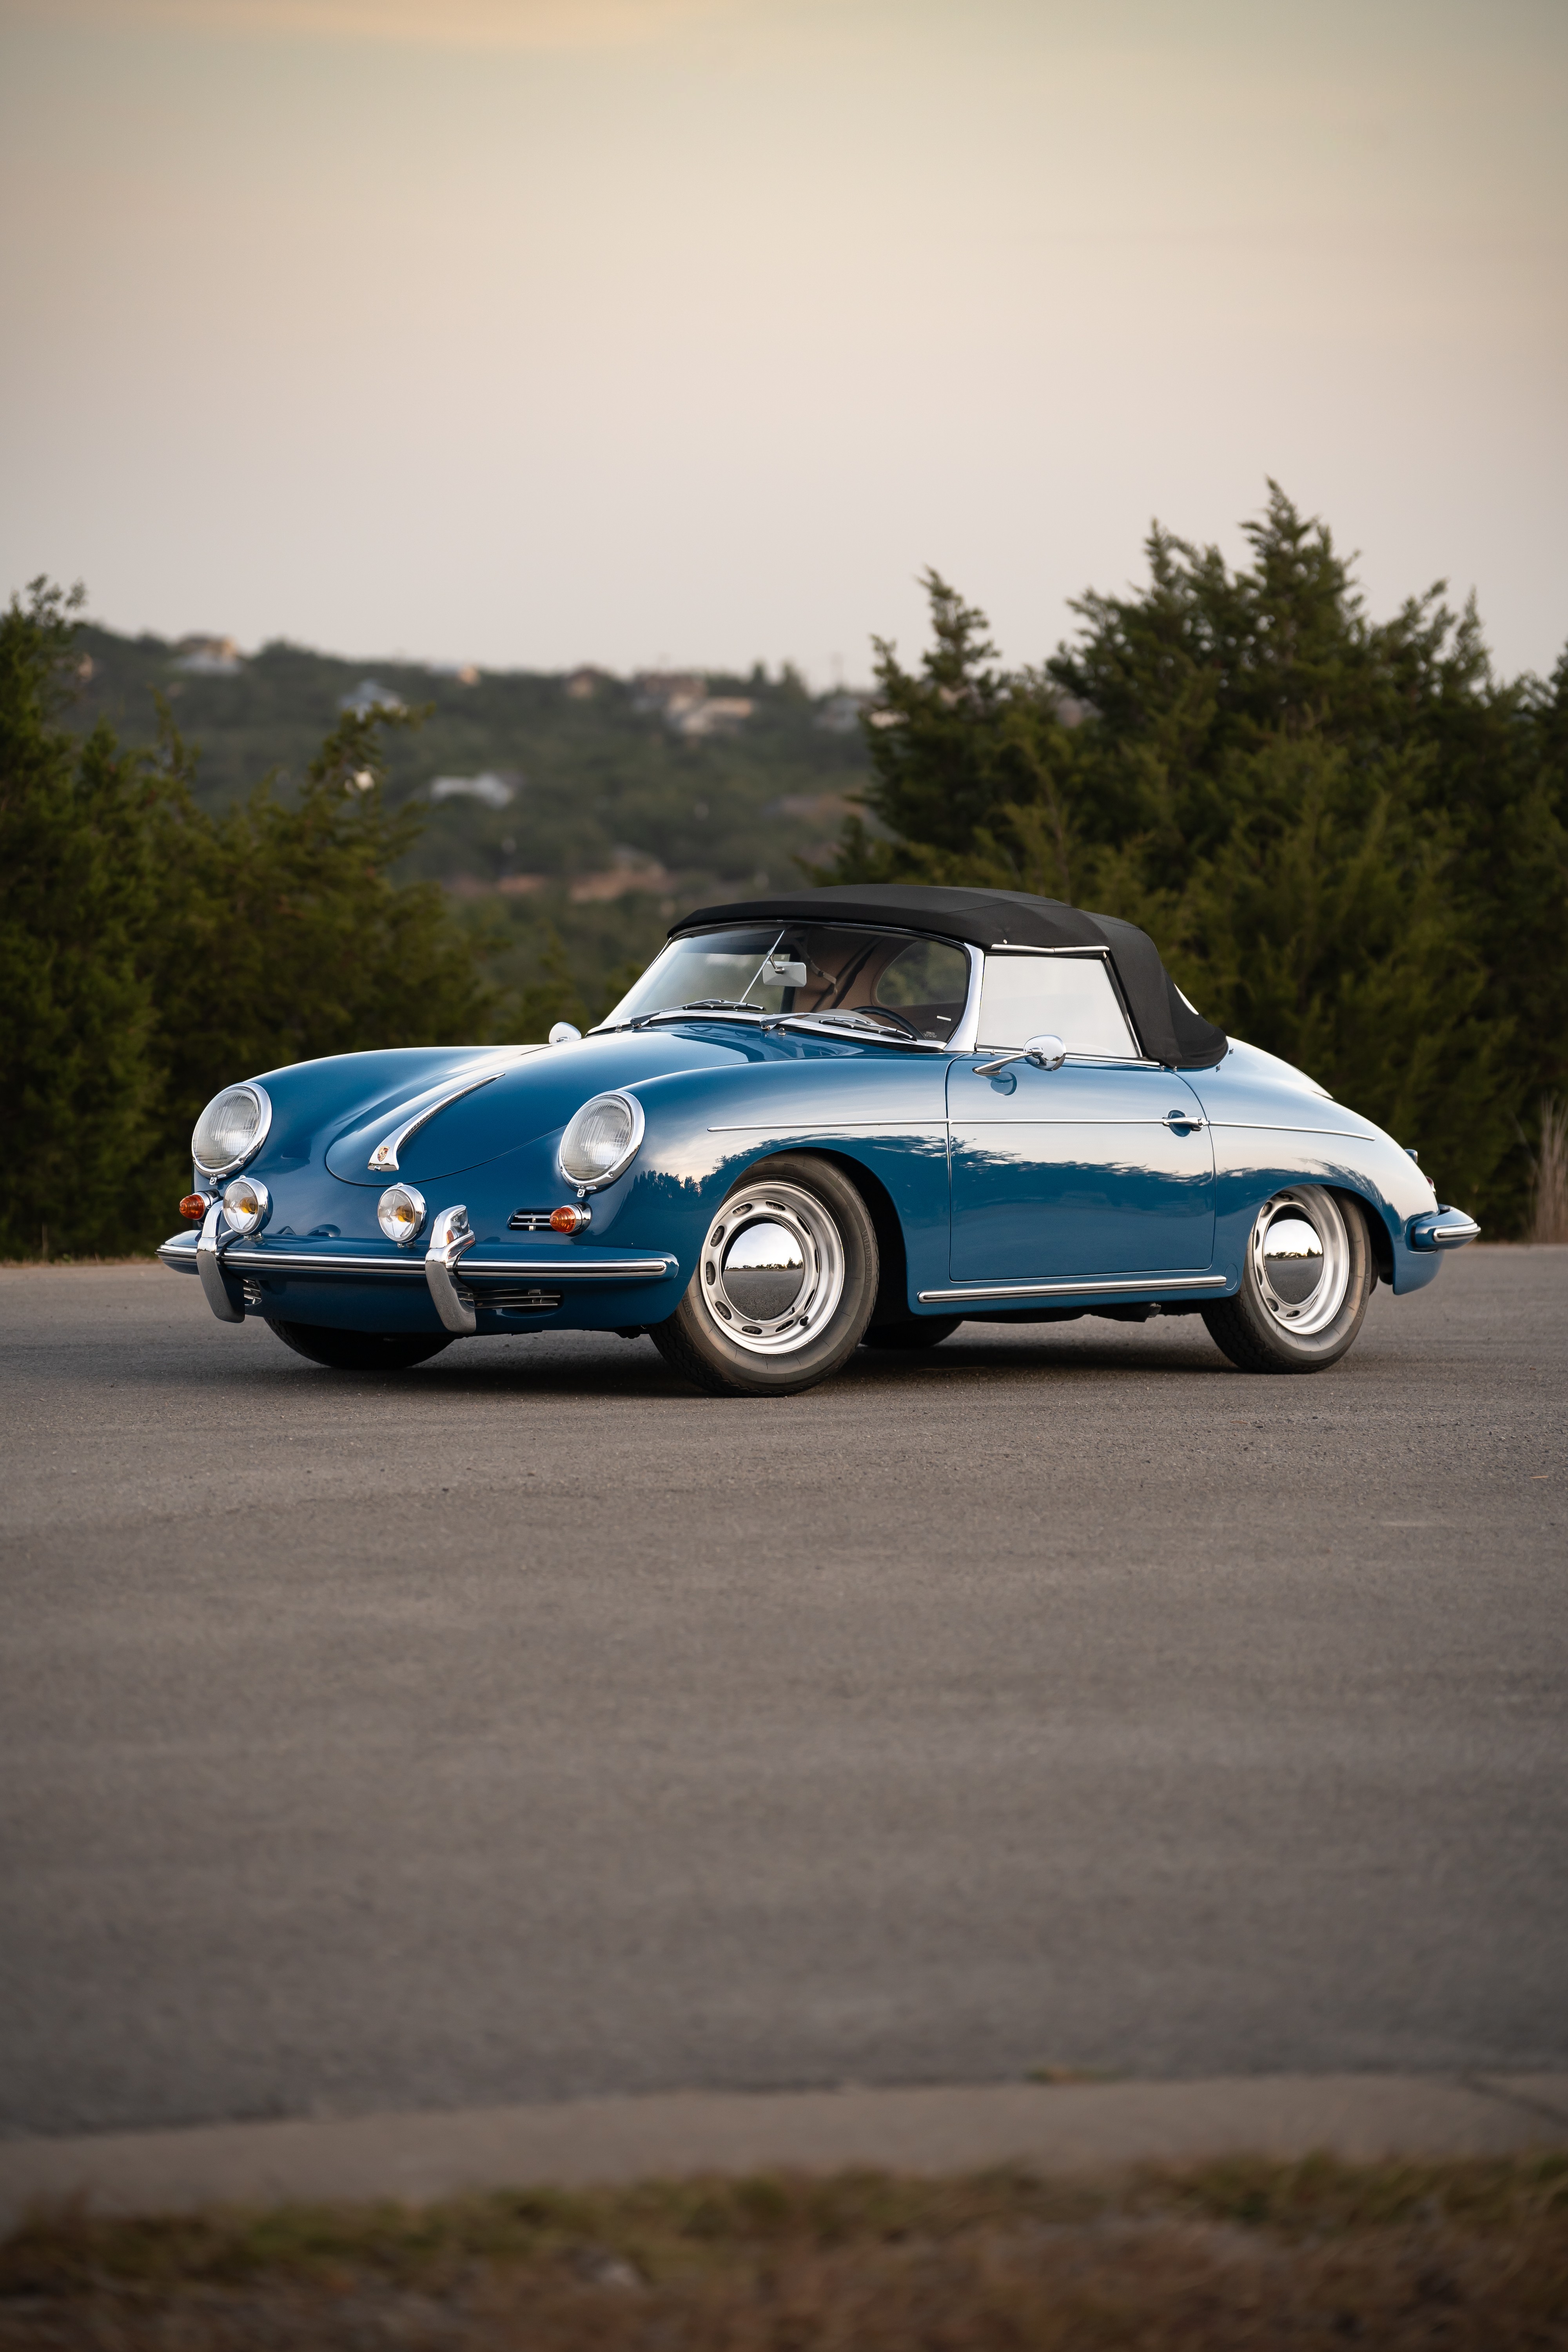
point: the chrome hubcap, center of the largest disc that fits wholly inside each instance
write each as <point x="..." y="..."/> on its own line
<point x="772" y="1269"/>
<point x="1301" y="1259"/>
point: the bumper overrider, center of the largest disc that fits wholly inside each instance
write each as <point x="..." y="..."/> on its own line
<point x="1442" y="1229"/>
<point x="232" y="1265"/>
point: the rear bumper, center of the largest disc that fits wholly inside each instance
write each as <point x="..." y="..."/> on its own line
<point x="1442" y="1229"/>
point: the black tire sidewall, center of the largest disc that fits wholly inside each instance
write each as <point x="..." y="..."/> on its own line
<point x="689" y="1341"/>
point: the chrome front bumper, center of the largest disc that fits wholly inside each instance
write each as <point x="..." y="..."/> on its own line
<point x="224" y="1262"/>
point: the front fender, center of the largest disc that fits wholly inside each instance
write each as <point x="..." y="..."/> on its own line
<point x="705" y="1128"/>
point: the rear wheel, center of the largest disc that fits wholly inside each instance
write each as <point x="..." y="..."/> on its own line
<point x="785" y="1285"/>
<point x="912" y="1331"/>
<point x="360" y="1351"/>
<point x="1304" y="1285"/>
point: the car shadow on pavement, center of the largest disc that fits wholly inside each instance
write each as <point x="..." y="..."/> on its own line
<point x="597" y="1364"/>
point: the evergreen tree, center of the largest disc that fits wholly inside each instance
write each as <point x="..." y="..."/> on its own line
<point x="151" y="954"/>
<point x="286" y="937"/>
<point x="1348" y="839"/>
<point x="81" y="1085"/>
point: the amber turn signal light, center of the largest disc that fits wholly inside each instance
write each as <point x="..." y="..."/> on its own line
<point x="193" y="1205"/>
<point x="570" y="1220"/>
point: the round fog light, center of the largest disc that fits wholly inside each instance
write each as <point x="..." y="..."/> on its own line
<point x="245" y="1202"/>
<point x="400" y="1213"/>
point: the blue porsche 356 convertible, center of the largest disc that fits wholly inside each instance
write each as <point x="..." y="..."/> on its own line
<point x="820" y="1120"/>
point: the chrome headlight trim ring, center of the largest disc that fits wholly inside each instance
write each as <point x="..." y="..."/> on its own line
<point x="1301" y="1259"/>
<point x="799" y="1259"/>
<point x="596" y="1181"/>
<point x="236" y="1161"/>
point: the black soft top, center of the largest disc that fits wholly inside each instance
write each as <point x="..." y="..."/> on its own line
<point x="1168" y="1029"/>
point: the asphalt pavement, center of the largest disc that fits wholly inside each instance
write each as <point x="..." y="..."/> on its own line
<point x="528" y="1727"/>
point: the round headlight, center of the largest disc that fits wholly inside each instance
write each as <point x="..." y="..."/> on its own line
<point x="601" y="1141"/>
<point x="244" y="1204"/>
<point x="400" y="1213"/>
<point x="231" y="1130"/>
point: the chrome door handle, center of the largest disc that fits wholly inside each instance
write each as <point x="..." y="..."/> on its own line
<point x="1175" y="1118"/>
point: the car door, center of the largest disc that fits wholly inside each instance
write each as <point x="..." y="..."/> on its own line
<point x="1103" y="1166"/>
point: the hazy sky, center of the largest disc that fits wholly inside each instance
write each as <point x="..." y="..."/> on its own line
<point x="535" y="331"/>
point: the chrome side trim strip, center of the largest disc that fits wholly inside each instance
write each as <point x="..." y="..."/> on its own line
<point x="828" y="1125"/>
<point x="1278" y="1126"/>
<point x="1145" y="1283"/>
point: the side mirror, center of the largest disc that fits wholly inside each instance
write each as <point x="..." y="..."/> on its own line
<point x="564" y="1034"/>
<point x="1046" y="1052"/>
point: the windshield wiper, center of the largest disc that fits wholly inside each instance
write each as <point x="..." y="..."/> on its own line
<point x="867" y="1029"/>
<point x="830" y="1021"/>
<point x="698" y="1004"/>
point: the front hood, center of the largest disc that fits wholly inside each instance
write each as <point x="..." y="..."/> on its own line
<point x="312" y="1101"/>
<point x="532" y="1092"/>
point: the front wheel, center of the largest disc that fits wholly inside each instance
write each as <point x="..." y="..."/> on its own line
<point x="360" y="1351"/>
<point x="785" y="1285"/>
<point x="1304" y="1285"/>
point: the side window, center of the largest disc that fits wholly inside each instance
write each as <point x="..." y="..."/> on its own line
<point x="1023" y="996"/>
<point x="928" y="983"/>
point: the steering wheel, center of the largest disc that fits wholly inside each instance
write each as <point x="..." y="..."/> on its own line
<point x="886" y="1012"/>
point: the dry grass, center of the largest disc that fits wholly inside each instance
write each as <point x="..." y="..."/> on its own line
<point x="1236" y="2257"/>
<point x="1549" y="1187"/>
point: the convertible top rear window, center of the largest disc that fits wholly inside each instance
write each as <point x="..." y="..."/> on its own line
<point x="909" y="985"/>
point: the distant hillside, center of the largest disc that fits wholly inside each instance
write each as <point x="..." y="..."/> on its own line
<point x="605" y="774"/>
<point x="585" y="805"/>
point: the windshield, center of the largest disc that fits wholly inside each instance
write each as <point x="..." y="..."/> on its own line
<point x="905" y="984"/>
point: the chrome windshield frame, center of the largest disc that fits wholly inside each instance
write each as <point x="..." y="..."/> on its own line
<point x="821" y="1024"/>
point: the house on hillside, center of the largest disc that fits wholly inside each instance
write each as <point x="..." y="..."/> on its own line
<point x="496" y="790"/>
<point x="681" y="698"/>
<point x="208" y="657"/>
<point x="719" y="714"/>
<point x="368" y="696"/>
<point x="670" y="692"/>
